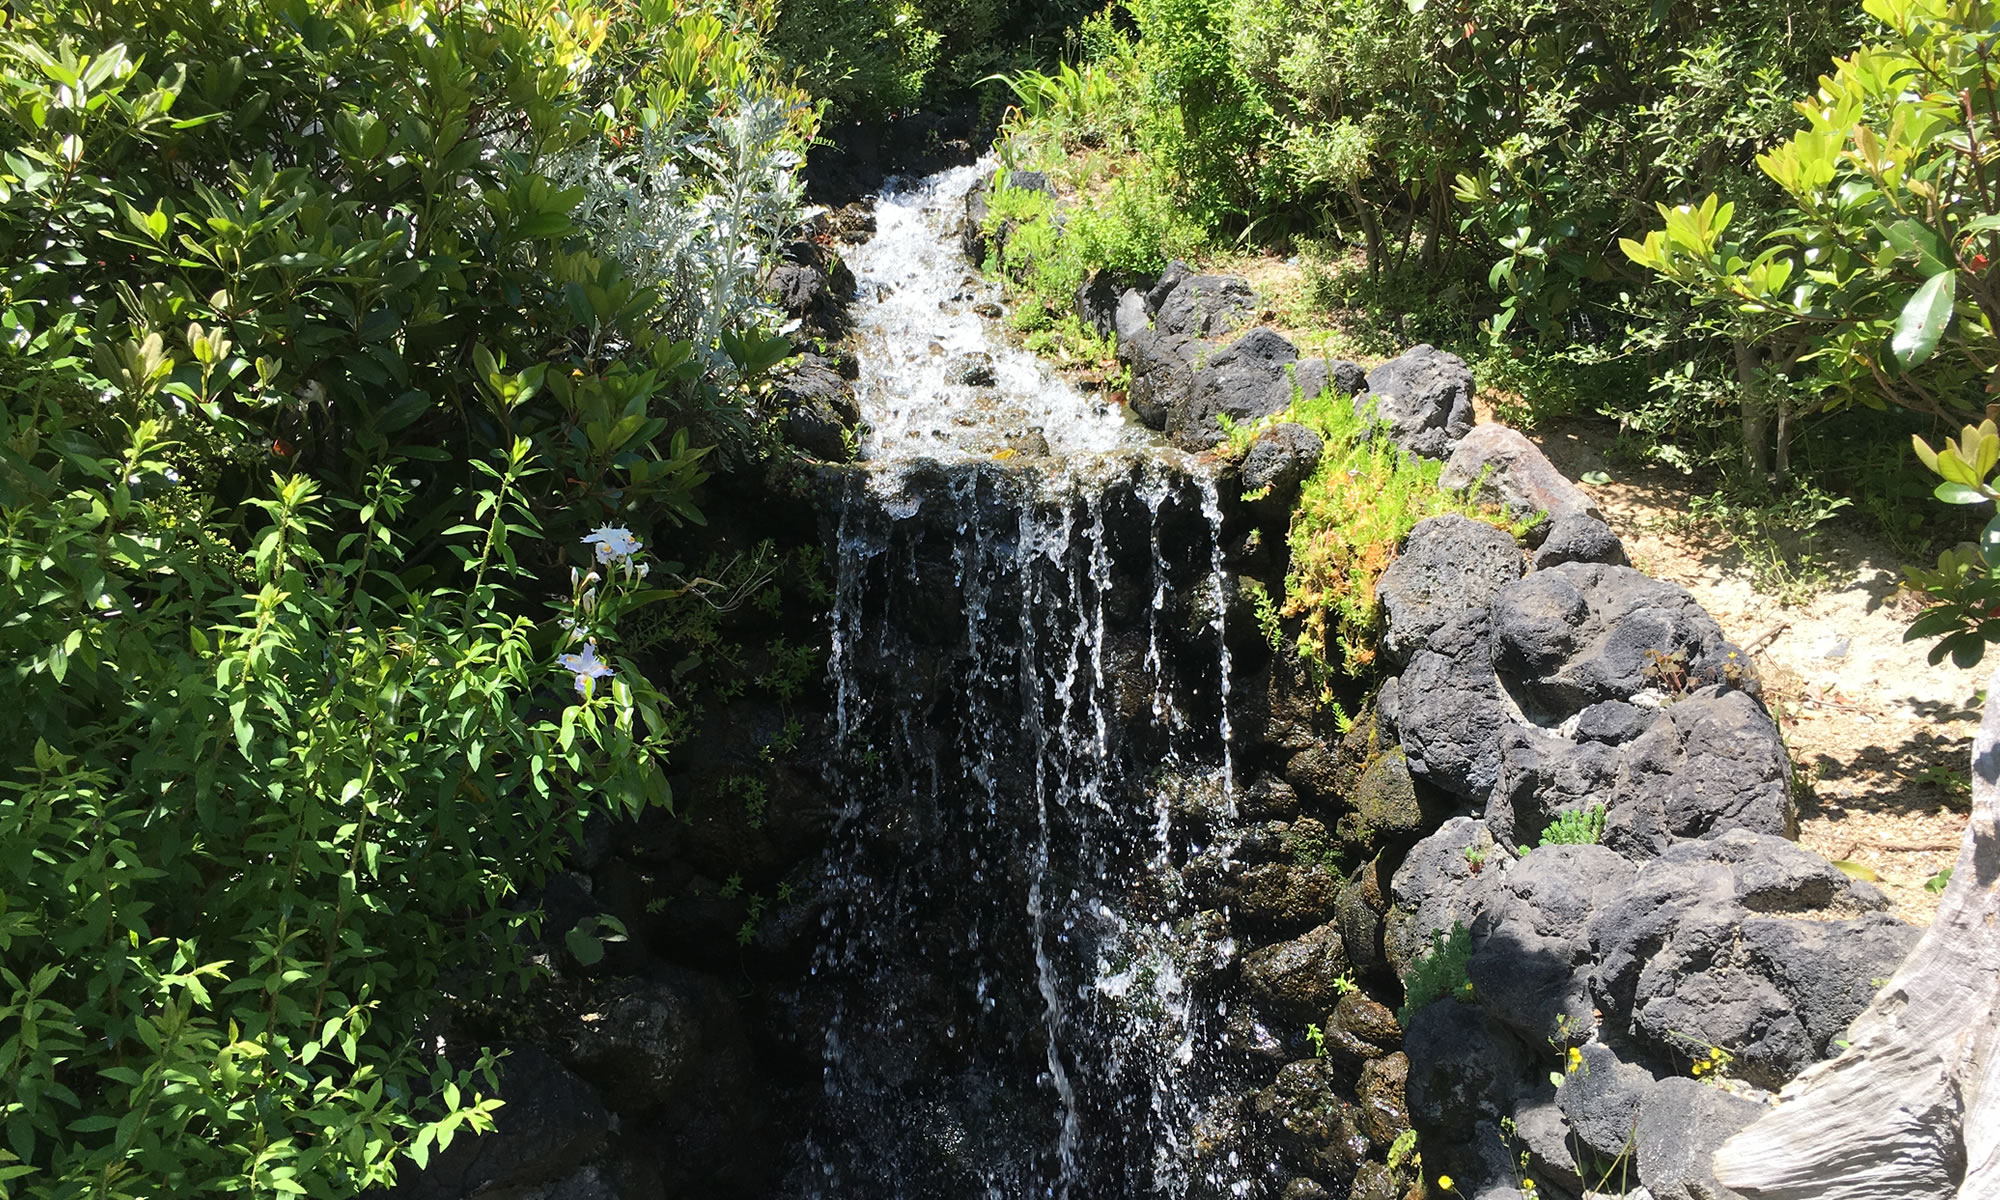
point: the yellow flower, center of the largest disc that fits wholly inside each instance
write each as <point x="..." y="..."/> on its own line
<point x="1575" y="1060"/>
<point x="1444" y="1181"/>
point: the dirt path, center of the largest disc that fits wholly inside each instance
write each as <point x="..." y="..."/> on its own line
<point x="1880" y="739"/>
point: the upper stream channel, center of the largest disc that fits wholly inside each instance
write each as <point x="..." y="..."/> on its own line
<point x="1031" y="672"/>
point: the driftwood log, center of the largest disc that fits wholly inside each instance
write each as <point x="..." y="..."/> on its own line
<point x="1911" y="1109"/>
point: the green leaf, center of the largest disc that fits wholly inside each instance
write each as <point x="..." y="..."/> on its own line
<point x="1959" y="493"/>
<point x="1923" y="320"/>
<point x="587" y="949"/>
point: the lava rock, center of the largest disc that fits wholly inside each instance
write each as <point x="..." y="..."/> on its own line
<point x="1711" y="762"/>
<point x="1099" y="298"/>
<point x="1601" y="1097"/>
<point x="818" y="406"/>
<point x="1775" y="875"/>
<point x="1541" y="775"/>
<point x="1463" y="1068"/>
<point x="1380" y="1095"/>
<point x="971" y="370"/>
<point x="1511" y="471"/>
<point x="1450" y="709"/>
<point x="1297" y="981"/>
<point x="1425" y="396"/>
<point x="1245" y="380"/>
<point x="1681" y="1125"/>
<point x="1202" y="306"/>
<point x="1315" y="1128"/>
<point x="1579" y="633"/>
<point x="1382" y="808"/>
<point x="1130" y="317"/>
<point x="1375" y="1181"/>
<point x="1361" y="1028"/>
<point x="1162" y="374"/>
<point x="1359" y="911"/>
<point x="1577" y="537"/>
<point x="803" y="291"/>
<point x="1530" y="964"/>
<point x="1437" y="886"/>
<point x="1280" y="459"/>
<point x="552" y="1124"/>
<point x="635" y="1043"/>
<point x="1281" y="899"/>
<point x="1827" y="970"/>
<point x="1448" y="566"/>
<point x="1543" y="1132"/>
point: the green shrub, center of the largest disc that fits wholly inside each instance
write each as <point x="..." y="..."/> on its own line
<point x="1439" y="974"/>
<point x="1575" y="827"/>
<point x="314" y="382"/>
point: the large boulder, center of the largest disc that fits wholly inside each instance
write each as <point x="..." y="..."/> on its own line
<point x="1162" y="374"/>
<point x="1531" y="956"/>
<point x="1100" y="297"/>
<point x="1681" y="1124"/>
<point x="1425" y="396"/>
<point x="1711" y="762"/>
<point x="1244" y="381"/>
<point x="1542" y="775"/>
<point x="1509" y="470"/>
<point x="1280" y="459"/>
<point x="1579" y="538"/>
<point x="1439" y="885"/>
<point x="1578" y="633"/>
<point x="1463" y="1069"/>
<point x="1601" y="1096"/>
<point x="1203" y="306"/>
<point x="1448" y="565"/>
<point x="1450" y="709"/>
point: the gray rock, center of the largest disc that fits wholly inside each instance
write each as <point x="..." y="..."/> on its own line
<point x="1511" y="471"/>
<point x="1542" y="1130"/>
<point x="802" y="290"/>
<point x="1130" y="316"/>
<point x="1296" y="981"/>
<point x="1601" y="1097"/>
<point x="1681" y="1124"/>
<point x="1436" y="887"/>
<point x="552" y="1124"/>
<point x="1205" y="306"/>
<point x="1682" y="1009"/>
<point x="1577" y="537"/>
<point x="1315" y="375"/>
<point x="1463" y="1068"/>
<point x="1280" y="459"/>
<point x="1530" y="964"/>
<point x="1448" y="566"/>
<point x="1099" y="299"/>
<point x="971" y="370"/>
<point x="1828" y="970"/>
<point x="1169" y="280"/>
<point x="1613" y="722"/>
<point x="1541" y="775"/>
<point x="1026" y="181"/>
<point x="1450" y="711"/>
<point x="1710" y="763"/>
<point x="1244" y="381"/>
<point x="1627" y="932"/>
<point x="1162" y="374"/>
<point x="1774" y="875"/>
<point x="1425" y="396"/>
<point x="1579" y="633"/>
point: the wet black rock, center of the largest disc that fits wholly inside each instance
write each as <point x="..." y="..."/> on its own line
<point x="1509" y="470"/>
<point x="1280" y="899"/>
<point x="1579" y="538"/>
<point x="1280" y="459"/>
<point x="1244" y="381"/>
<point x="1359" y="910"/>
<point x="1681" y="1125"/>
<point x="1450" y="710"/>
<point x="1316" y="1129"/>
<point x="1381" y="1097"/>
<point x="971" y="370"/>
<point x="635" y="1042"/>
<point x="1448" y="566"/>
<point x="1297" y="981"/>
<point x="1383" y="810"/>
<point x="1425" y="396"/>
<point x="1578" y="633"/>
<point x="818" y="406"/>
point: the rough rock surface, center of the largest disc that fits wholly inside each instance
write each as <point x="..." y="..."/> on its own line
<point x="1601" y="1098"/>
<point x="1449" y="565"/>
<point x="1203" y="306"/>
<point x="818" y="405"/>
<point x="1681" y="1123"/>
<point x="1531" y="957"/>
<point x="1162" y="374"/>
<point x="1244" y="381"/>
<point x="1296" y="981"/>
<point x="1711" y="762"/>
<point x="1450" y="709"/>
<point x="1425" y="396"/>
<point x="1578" y="633"/>
<point x="1579" y="538"/>
<point x="1509" y="470"/>
<point x="1436" y="887"/>
<point x="1281" y="458"/>
<point x="636" y="1043"/>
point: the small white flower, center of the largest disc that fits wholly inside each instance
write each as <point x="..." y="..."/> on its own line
<point x="173" y="476"/>
<point x="20" y="337"/>
<point x="645" y="569"/>
<point x="613" y="542"/>
<point x="586" y="667"/>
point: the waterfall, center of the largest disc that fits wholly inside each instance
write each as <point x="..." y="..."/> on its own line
<point x="1031" y="677"/>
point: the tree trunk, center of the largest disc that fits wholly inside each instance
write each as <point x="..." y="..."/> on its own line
<point x="1371" y="229"/>
<point x="1911" y="1110"/>
<point x="1756" y="413"/>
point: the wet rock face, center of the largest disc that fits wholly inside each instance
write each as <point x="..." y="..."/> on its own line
<point x="817" y="401"/>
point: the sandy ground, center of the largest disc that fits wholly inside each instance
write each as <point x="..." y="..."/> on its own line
<point x="1879" y="738"/>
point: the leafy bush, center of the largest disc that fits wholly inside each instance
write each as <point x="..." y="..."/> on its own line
<point x="313" y="384"/>
<point x="1575" y="827"/>
<point x="1438" y="975"/>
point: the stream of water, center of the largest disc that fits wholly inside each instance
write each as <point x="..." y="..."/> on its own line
<point x="1032" y="684"/>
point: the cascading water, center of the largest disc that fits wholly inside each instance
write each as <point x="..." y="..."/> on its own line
<point x="1031" y="678"/>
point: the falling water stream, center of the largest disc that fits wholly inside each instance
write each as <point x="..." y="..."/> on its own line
<point x="1031" y="679"/>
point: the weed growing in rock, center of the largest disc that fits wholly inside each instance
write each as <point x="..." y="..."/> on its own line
<point x="1439" y="974"/>
<point x="1576" y="827"/>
